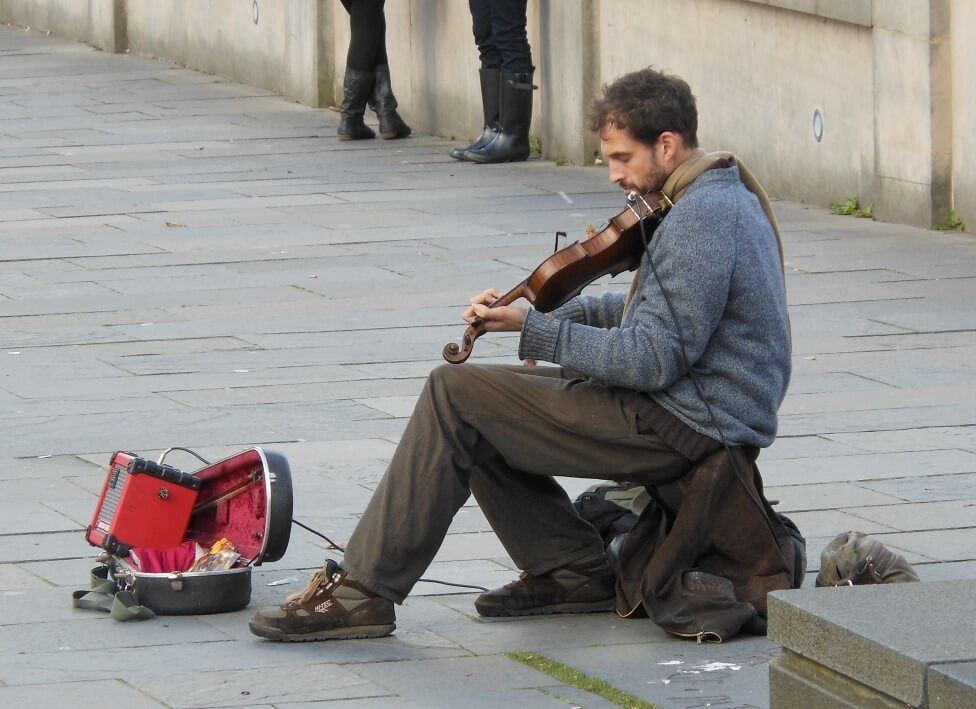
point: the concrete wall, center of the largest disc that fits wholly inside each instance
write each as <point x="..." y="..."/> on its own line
<point x="93" y="21"/>
<point x="279" y="51"/>
<point x="963" y="20"/>
<point x="759" y="73"/>
<point x="891" y="78"/>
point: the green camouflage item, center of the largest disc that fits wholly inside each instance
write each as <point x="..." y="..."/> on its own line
<point x="854" y="559"/>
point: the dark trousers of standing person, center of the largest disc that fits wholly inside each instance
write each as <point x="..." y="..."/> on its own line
<point x="367" y="78"/>
<point x="498" y="433"/>
<point x="506" y="82"/>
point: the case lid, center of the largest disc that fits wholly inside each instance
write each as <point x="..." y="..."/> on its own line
<point x="246" y="498"/>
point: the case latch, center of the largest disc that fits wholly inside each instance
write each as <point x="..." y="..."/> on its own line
<point x="176" y="580"/>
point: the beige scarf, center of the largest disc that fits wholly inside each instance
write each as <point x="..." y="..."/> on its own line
<point x="691" y="169"/>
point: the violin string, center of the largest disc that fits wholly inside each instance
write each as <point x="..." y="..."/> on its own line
<point x="698" y="387"/>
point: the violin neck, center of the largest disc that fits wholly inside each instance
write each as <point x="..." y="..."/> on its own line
<point x="510" y="297"/>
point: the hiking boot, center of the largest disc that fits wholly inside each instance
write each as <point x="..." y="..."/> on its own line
<point x="588" y="586"/>
<point x="332" y="607"/>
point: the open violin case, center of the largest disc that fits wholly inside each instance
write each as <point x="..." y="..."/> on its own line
<point x="245" y="499"/>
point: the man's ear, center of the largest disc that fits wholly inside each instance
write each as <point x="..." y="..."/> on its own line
<point x="670" y="144"/>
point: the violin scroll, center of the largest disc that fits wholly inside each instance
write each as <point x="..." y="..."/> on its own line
<point x="456" y="354"/>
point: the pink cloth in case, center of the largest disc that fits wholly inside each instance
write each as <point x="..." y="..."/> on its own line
<point x="164" y="561"/>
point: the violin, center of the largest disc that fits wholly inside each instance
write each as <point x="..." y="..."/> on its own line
<point x="616" y="248"/>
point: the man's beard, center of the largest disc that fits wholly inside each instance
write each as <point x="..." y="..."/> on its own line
<point x="656" y="179"/>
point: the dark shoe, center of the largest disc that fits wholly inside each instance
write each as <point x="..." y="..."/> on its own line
<point x="587" y="586"/>
<point x="384" y="103"/>
<point x="357" y="87"/>
<point x="515" y="104"/>
<point x="332" y="607"/>
<point x="490" y="88"/>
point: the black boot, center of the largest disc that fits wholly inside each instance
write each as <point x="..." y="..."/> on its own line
<point x="490" y="81"/>
<point x="512" y="143"/>
<point x="384" y="103"/>
<point x="356" y="89"/>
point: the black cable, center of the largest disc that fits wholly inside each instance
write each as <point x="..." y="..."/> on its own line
<point x="333" y="545"/>
<point x="187" y="450"/>
<point x="698" y="388"/>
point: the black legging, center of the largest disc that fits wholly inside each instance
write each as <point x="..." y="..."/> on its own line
<point x="499" y="32"/>
<point x="367" y="43"/>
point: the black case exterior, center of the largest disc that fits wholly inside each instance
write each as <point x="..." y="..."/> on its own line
<point x="224" y="591"/>
<point x="185" y="593"/>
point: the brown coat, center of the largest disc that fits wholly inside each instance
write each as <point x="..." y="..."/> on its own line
<point x="701" y="560"/>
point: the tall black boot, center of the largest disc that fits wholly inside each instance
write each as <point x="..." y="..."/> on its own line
<point x="512" y="143"/>
<point x="356" y="90"/>
<point x="490" y="87"/>
<point x="384" y="103"/>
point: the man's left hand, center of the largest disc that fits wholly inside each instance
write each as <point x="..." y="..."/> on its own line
<point x="505" y="318"/>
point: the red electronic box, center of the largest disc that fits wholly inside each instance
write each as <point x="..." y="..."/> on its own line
<point x="143" y="504"/>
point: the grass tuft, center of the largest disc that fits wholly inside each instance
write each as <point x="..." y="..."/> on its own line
<point x="952" y="223"/>
<point x="851" y="207"/>
<point x="580" y="680"/>
<point x="535" y="145"/>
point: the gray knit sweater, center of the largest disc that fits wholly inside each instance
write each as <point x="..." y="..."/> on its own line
<point x="718" y="260"/>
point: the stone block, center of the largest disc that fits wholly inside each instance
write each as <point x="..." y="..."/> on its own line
<point x="850" y="631"/>
<point x="797" y="682"/>
<point x="952" y="685"/>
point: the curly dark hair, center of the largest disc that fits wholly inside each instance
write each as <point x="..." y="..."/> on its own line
<point x="647" y="103"/>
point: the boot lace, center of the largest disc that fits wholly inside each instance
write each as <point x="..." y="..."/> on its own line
<point x="321" y="582"/>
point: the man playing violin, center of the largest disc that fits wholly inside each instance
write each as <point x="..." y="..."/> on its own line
<point x="706" y="317"/>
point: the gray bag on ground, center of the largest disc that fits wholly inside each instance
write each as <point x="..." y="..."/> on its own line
<point x="854" y="559"/>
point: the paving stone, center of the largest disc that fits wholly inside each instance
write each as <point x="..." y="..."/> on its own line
<point x="928" y="489"/>
<point x="15" y="578"/>
<point x="93" y="630"/>
<point x="319" y="682"/>
<point x="947" y="571"/>
<point x="869" y="467"/>
<point x="31" y="518"/>
<point x="931" y="515"/>
<point x="729" y="674"/>
<point x="944" y="544"/>
<point x="486" y="636"/>
<point x="83" y="693"/>
<point x="787" y="447"/>
<point x="824" y="496"/>
<point x="825" y="523"/>
<point x="551" y="698"/>
<point x="171" y="661"/>
<point x="461" y="674"/>
<point x="937" y="437"/>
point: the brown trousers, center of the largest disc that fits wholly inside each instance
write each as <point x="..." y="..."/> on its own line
<point x="501" y="433"/>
